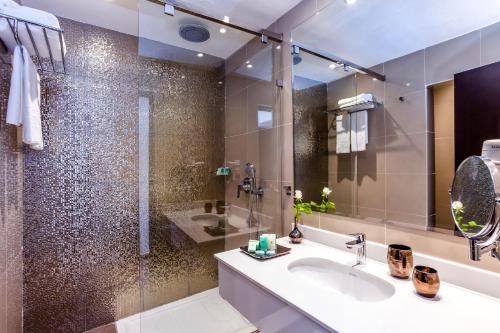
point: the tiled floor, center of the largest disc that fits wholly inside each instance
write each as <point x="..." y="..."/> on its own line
<point x="104" y="329"/>
<point x="205" y="312"/>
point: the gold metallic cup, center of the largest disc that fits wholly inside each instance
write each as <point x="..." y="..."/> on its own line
<point x="400" y="260"/>
<point x="426" y="281"/>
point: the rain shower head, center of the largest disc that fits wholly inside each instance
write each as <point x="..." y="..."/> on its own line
<point x="194" y="33"/>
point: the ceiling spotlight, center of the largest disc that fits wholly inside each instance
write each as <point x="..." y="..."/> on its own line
<point x="408" y="84"/>
<point x="220" y="82"/>
<point x="249" y="66"/>
<point x="247" y="62"/>
<point x="225" y="19"/>
<point x="374" y="79"/>
<point x="350" y="2"/>
<point x="200" y="55"/>
<point x="222" y="30"/>
<point x="278" y="47"/>
<point x="332" y="66"/>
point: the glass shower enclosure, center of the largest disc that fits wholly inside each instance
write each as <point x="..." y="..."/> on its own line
<point x="208" y="115"/>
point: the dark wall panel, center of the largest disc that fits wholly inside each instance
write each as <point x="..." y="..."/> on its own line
<point x="477" y="110"/>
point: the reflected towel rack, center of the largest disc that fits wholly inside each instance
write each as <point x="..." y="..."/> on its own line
<point x="357" y="107"/>
<point x="14" y="25"/>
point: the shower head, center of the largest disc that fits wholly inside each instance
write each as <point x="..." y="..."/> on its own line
<point x="250" y="170"/>
<point x="297" y="59"/>
<point x="194" y="33"/>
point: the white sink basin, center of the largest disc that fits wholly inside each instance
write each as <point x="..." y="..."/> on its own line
<point x="333" y="276"/>
<point x="206" y="219"/>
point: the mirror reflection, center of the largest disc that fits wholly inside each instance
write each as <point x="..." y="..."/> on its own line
<point x="393" y="160"/>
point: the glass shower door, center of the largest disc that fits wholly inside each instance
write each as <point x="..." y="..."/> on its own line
<point x="208" y="106"/>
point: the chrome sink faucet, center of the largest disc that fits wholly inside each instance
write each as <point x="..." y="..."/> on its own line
<point x="359" y="243"/>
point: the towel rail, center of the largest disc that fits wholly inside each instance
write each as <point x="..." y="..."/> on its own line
<point x="14" y="27"/>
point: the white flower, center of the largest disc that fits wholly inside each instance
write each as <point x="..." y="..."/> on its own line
<point x="457" y="205"/>
<point x="326" y="191"/>
<point x="298" y="194"/>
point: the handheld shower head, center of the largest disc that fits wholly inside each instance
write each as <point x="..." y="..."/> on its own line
<point x="250" y="170"/>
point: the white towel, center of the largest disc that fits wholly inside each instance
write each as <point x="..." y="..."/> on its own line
<point x="359" y="131"/>
<point x="361" y="98"/>
<point x="36" y="16"/>
<point x="24" y="99"/>
<point x="15" y="103"/>
<point x="343" y="133"/>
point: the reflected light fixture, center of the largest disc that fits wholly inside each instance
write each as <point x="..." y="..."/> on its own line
<point x="332" y="66"/>
<point x="222" y="30"/>
<point x="350" y="2"/>
<point x="200" y="55"/>
<point x="225" y="19"/>
<point x="249" y="66"/>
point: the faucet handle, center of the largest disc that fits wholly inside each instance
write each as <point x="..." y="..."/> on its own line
<point x="360" y="237"/>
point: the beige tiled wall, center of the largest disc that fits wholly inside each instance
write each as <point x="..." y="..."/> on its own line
<point x="396" y="166"/>
<point x="244" y="140"/>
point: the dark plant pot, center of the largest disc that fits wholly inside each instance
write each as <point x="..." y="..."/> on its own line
<point x="296" y="236"/>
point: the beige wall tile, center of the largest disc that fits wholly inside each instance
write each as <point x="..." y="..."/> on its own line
<point x="407" y="194"/>
<point x="236" y="113"/>
<point x="444" y="60"/>
<point x="372" y="161"/>
<point x="405" y="117"/>
<point x="371" y="191"/>
<point x="490" y="44"/>
<point x="406" y="74"/>
<point x="444" y="110"/>
<point x="375" y="232"/>
<point x="406" y="154"/>
<point x="342" y="186"/>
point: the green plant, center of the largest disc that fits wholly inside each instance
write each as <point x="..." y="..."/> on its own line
<point x="300" y="207"/>
<point x="325" y="204"/>
<point x="458" y="211"/>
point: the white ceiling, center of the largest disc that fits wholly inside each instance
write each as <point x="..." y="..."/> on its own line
<point x="373" y="31"/>
<point x="145" y="19"/>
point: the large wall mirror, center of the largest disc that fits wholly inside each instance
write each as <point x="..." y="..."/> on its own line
<point x="434" y="100"/>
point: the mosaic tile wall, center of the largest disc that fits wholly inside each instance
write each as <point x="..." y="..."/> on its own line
<point x="311" y="132"/>
<point x="80" y="192"/>
<point x="11" y="218"/>
<point x="186" y="140"/>
<point x="81" y="222"/>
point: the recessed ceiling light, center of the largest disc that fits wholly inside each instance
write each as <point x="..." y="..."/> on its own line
<point x="350" y="2"/>
<point x="249" y="66"/>
<point x="247" y="62"/>
<point x="222" y="30"/>
<point x="278" y="47"/>
<point x="408" y="84"/>
<point x="374" y="79"/>
<point x="332" y="66"/>
<point x="225" y="19"/>
<point x="220" y="82"/>
<point x="200" y="55"/>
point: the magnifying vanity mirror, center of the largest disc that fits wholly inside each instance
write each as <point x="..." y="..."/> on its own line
<point x="475" y="200"/>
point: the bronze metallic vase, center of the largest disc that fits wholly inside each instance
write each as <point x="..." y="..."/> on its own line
<point x="296" y="236"/>
<point x="426" y="281"/>
<point x="400" y="260"/>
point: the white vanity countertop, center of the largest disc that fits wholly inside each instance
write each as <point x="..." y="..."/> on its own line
<point x="456" y="309"/>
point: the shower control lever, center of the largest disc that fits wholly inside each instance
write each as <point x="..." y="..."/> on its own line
<point x="246" y="187"/>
